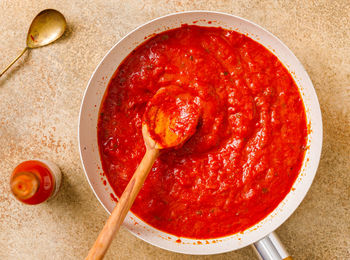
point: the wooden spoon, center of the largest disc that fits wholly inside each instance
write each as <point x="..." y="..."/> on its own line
<point x="170" y="118"/>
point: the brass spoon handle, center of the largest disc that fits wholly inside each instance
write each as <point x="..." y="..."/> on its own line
<point x="19" y="56"/>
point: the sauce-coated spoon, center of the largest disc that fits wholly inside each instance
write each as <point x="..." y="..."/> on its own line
<point x="47" y="27"/>
<point x="170" y="119"/>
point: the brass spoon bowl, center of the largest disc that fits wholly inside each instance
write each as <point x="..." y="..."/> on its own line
<point x="47" y="27"/>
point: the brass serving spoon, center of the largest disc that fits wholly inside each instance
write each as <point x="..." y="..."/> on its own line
<point x="47" y="27"/>
<point x="164" y="120"/>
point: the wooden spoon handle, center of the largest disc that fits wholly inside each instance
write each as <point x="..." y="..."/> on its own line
<point x="125" y="202"/>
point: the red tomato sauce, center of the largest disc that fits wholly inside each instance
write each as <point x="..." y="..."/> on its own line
<point x="249" y="143"/>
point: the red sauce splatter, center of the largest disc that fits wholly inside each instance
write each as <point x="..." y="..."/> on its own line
<point x="113" y="197"/>
<point x="248" y="147"/>
<point x="178" y="241"/>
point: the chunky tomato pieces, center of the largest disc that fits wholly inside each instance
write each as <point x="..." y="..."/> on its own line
<point x="249" y="142"/>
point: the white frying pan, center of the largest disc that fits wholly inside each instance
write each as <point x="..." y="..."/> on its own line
<point x="261" y="235"/>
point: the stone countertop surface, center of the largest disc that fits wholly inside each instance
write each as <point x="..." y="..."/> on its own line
<point x="40" y="100"/>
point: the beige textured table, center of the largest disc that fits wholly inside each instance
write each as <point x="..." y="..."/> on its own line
<point x="40" y="100"/>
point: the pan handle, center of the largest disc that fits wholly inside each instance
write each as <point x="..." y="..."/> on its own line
<point x="271" y="248"/>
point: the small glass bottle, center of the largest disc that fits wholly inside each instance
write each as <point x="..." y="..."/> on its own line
<point x="35" y="181"/>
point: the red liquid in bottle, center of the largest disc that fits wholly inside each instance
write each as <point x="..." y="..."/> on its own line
<point x="33" y="182"/>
